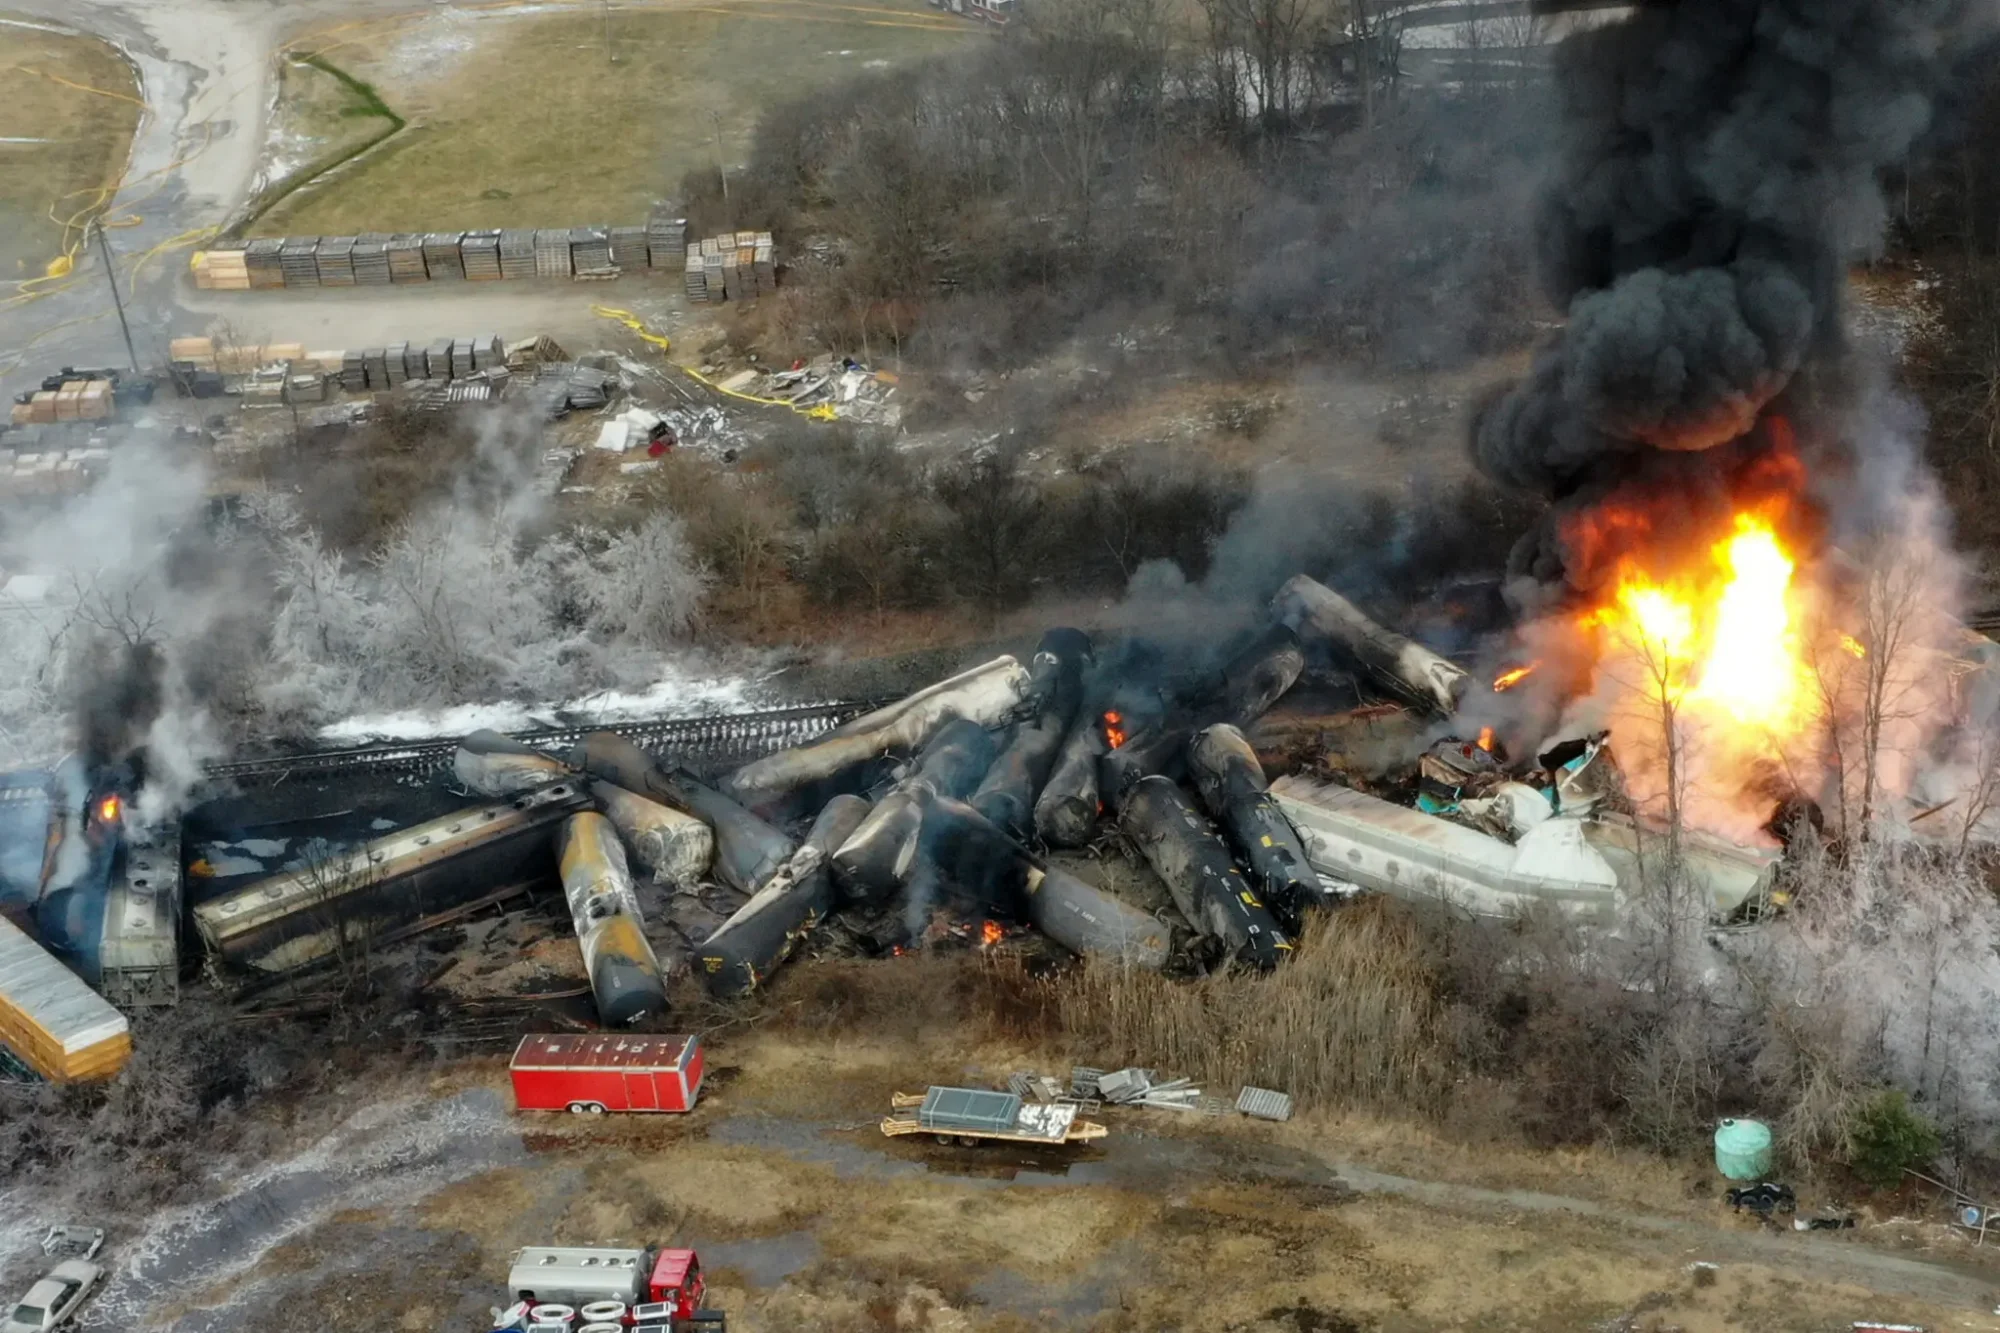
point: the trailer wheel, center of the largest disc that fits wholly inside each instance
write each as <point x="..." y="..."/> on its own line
<point x="967" y="1141"/>
<point x="577" y="1108"/>
<point x="945" y="1139"/>
<point x="595" y="1108"/>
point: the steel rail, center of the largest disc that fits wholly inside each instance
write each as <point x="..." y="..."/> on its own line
<point x="704" y="742"/>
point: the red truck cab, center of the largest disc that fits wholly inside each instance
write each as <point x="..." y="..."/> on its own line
<point x="676" y="1284"/>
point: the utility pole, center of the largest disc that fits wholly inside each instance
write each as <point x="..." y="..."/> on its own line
<point x="715" y="118"/>
<point x="610" y="56"/>
<point x="111" y="276"/>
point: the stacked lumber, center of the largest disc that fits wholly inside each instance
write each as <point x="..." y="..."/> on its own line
<point x="336" y="261"/>
<point x="441" y="255"/>
<point x="222" y="270"/>
<point x="696" y="276"/>
<point x="22" y="414"/>
<point x="529" y="353"/>
<point x="479" y="255"/>
<point x="353" y="372"/>
<point x="68" y="399"/>
<point x="590" y="252"/>
<point x="62" y="1028"/>
<point x="375" y="361"/>
<point x="666" y="241"/>
<point x="406" y="258"/>
<point x="517" y="253"/>
<point x="95" y="401"/>
<point x="42" y="408"/>
<point x="299" y="261"/>
<point x="197" y="352"/>
<point x="371" y="260"/>
<point x="265" y="263"/>
<point x="395" y="364"/>
<point x="413" y="362"/>
<point x="552" y="253"/>
<point x="437" y="360"/>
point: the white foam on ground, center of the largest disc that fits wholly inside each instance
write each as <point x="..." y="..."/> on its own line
<point x="672" y="697"/>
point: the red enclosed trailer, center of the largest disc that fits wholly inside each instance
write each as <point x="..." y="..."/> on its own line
<point x="605" y="1072"/>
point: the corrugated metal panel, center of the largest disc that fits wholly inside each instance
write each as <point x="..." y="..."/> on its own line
<point x="969" y="1109"/>
<point x="62" y="1028"/>
<point x="1264" y="1104"/>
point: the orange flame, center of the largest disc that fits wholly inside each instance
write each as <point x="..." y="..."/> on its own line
<point x="1507" y="680"/>
<point x="990" y="934"/>
<point x="1716" y="647"/>
<point x="1114" y="729"/>
<point x="108" y="809"/>
<point x="1486" y="739"/>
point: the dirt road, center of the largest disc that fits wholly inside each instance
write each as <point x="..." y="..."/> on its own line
<point x="405" y="1211"/>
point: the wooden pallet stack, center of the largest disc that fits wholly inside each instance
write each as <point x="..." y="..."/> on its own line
<point x="299" y="261"/>
<point x="763" y="263"/>
<point x="461" y="357"/>
<point x="336" y="261"/>
<point x="437" y="360"/>
<point x="590" y="252"/>
<point x="696" y="277"/>
<point x="552" y="253"/>
<point x="489" y="352"/>
<point x="371" y="259"/>
<point x="711" y="267"/>
<point x="222" y="270"/>
<point x="266" y="264"/>
<point x="406" y="258"/>
<point x="375" y="363"/>
<point x="517" y="253"/>
<point x="628" y="249"/>
<point x="441" y="255"/>
<point x="395" y="364"/>
<point x="353" y="372"/>
<point x="666" y="242"/>
<point x="479" y="255"/>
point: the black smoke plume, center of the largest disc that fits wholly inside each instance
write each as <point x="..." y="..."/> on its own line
<point x="1720" y="169"/>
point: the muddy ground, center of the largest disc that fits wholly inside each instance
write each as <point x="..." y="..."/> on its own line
<point x="404" y="1215"/>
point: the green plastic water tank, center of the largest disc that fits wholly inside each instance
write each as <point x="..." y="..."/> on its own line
<point x="1743" y="1149"/>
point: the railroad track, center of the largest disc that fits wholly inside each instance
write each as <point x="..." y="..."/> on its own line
<point x="701" y="743"/>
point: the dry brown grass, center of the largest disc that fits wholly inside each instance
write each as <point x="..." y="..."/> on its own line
<point x="1352" y="1019"/>
<point x="79" y="95"/>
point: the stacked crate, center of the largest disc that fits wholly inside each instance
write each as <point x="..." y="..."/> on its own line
<point x="413" y="362"/>
<point x="437" y="361"/>
<point x="441" y="255"/>
<point x="763" y="263"/>
<point x="589" y="250"/>
<point x="711" y="267"/>
<point x="336" y="261"/>
<point x="666" y="242"/>
<point x="517" y="253"/>
<point x="697" y="278"/>
<point x="222" y="270"/>
<point x="461" y="357"/>
<point x="266" y="265"/>
<point x="489" y="352"/>
<point x="552" y="254"/>
<point x="395" y="363"/>
<point x="628" y="248"/>
<point x="371" y="260"/>
<point x="353" y="372"/>
<point x="479" y="255"/>
<point x="732" y="277"/>
<point x="299" y="261"/>
<point x="94" y="404"/>
<point x="375" y="364"/>
<point x="406" y="258"/>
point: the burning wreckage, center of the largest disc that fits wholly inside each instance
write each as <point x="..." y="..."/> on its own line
<point x="967" y="810"/>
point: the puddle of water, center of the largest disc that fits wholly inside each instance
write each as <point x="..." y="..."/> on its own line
<point x="766" y="1262"/>
<point x="989" y="1165"/>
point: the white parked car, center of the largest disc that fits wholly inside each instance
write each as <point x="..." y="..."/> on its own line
<point x="53" y="1301"/>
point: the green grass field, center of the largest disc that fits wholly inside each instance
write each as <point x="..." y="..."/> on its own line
<point x="525" y="122"/>
<point x="77" y="98"/>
